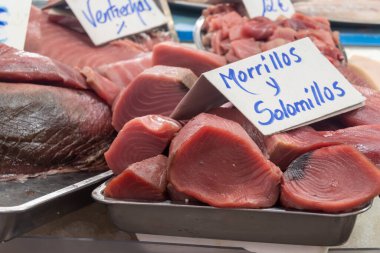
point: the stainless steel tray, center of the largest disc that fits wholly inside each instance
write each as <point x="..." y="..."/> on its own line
<point x="272" y="225"/>
<point x="27" y="205"/>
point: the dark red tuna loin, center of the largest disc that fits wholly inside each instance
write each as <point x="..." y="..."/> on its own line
<point x="157" y="90"/>
<point x="213" y="160"/>
<point x="234" y="114"/>
<point x="122" y="73"/>
<point x="104" y="88"/>
<point x="331" y="179"/>
<point x="367" y="115"/>
<point x="139" y="139"/>
<point x="51" y="128"/>
<point x="174" y="54"/>
<point x="145" y="180"/>
<point x="71" y="47"/>
<point x="20" y="66"/>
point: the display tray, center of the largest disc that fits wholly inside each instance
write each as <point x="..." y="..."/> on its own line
<point x="27" y="205"/>
<point x="271" y="225"/>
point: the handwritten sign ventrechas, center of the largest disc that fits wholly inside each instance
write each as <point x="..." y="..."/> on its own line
<point x="280" y="89"/>
<point x="106" y="20"/>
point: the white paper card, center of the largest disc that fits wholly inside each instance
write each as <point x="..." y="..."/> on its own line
<point x="286" y="87"/>
<point x="271" y="9"/>
<point x="106" y="20"/>
<point x="14" y="17"/>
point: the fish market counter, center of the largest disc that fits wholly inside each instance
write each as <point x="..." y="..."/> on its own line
<point x="93" y="221"/>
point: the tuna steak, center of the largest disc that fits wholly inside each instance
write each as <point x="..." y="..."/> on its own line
<point x="51" y="128"/>
<point x="367" y="115"/>
<point x="104" y="88"/>
<point x="122" y="73"/>
<point x="331" y="179"/>
<point x="157" y="90"/>
<point x="20" y="66"/>
<point x="71" y="47"/>
<point x="283" y="148"/>
<point x="139" y="139"/>
<point x="145" y="180"/>
<point x="213" y="160"/>
<point x="234" y="114"/>
<point x="174" y="54"/>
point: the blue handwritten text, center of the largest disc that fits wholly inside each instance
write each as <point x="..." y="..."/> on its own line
<point x="114" y="12"/>
<point x="274" y="6"/>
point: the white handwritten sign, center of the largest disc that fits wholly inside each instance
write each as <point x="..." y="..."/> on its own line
<point x="271" y="9"/>
<point x="280" y="89"/>
<point x="14" y="17"/>
<point x="106" y="20"/>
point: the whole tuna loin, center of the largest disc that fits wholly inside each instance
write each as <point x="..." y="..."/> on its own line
<point x="45" y="128"/>
<point x="213" y="160"/>
<point x="174" y="54"/>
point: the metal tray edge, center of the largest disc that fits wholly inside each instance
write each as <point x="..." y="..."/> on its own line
<point x="61" y="192"/>
<point x="97" y="194"/>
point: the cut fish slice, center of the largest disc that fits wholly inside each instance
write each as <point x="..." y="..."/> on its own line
<point x="174" y="54"/>
<point x="71" y="47"/>
<point x="213" y="160"/>
<point x="145" y="180"/>
<point x="366" y="115"/>
<point x="139" y="139"/>
<point x="157" y="90"/>
<point x="331" y="179"/>
<point x="283" y="148"/>
<point x="122" y="73"/>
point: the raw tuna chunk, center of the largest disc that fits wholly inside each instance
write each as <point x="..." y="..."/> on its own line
<point x="123" y="72"/>
<point x="71" y="47"/>
<point x="145" y="180"/>
<point x="331" y="179"/>
<point x="367" y="115"/>
<point x="45" y="128"/>
<point x="245" y="47"/>
<point x="20" y="66"/>
<point x="103" y="87"/>
<point x="283" y="148"/>
<point x="174" y="54"/>
<point x="234" y="114"/>
<point x="139" y="139"/>
<point x="214" y="160"/>
<point x="157" y="90"/>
